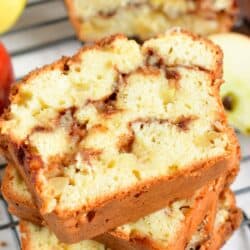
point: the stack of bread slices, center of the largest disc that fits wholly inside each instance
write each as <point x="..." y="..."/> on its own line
<point x="123" y="146"/>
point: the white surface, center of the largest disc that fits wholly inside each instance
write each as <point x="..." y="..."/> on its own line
<point x="24" y="63"/>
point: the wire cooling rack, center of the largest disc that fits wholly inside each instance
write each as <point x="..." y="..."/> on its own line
<point x="43" y="34"/>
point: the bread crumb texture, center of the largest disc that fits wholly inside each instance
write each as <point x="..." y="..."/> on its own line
<point x="15" y="185"/>
<point x="161" y="226"/>
<point x="115" y="115"/>
<point x="40" y="238"/>
<point x="223" y="213"/>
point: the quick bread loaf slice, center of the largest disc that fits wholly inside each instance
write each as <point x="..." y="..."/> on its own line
<point x="159" y="230"/>
<point x="228" y="219"/>
<point x="118" y="131"/>
<point x="146" y="18"/>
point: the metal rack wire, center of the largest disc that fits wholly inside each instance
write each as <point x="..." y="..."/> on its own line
<point x="12" y="223"/>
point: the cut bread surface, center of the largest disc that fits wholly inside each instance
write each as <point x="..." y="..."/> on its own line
<point x="226" y="204"/>
<point x="115" y="117"/>
<point x="40" y="238"/>
<point x="161" y="225"/>
<point x="146" y="18"/>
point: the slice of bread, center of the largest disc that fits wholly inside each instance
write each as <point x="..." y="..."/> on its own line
<point x="169" y="228"/>
<point x="228" y="219"/>
<point x="118" y="131"/>
<point x="146" y="18"/>
<point x="159" y="230"/>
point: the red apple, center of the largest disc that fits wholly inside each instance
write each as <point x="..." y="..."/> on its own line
<point x="6" y="77"/>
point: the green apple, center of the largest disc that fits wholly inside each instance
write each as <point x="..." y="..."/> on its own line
<point x="6" y="77"/>
<point x="235" y="91"/>
<point x="10" y="10"/>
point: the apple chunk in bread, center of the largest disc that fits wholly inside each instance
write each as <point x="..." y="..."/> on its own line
<point x="236" y="90"/>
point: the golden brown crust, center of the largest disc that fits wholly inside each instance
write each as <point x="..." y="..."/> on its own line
<point x="215" y="241"/>
<point x="25" y="213"/>
<point x="25" y="236"/>
<point x="76" y="23"/>
<point x="222" y="234"/>
<point x="65" y="61"/>
<point x="218" y="53"/>
<point x="225" y="231"/>
<point x="212" y="237"/>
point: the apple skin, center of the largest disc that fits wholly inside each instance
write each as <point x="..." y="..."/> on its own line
<point x="10" y="11"/>
<point x="6" y="77"/>
<point x="235" y="92"/>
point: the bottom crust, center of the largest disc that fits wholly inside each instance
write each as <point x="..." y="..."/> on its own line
<point x="203" y="201"/>
<point x="37" y="238"/>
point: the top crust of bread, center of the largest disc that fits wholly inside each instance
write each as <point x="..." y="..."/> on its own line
<point x="116" y="109"/>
